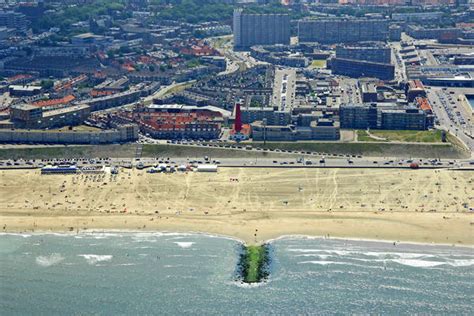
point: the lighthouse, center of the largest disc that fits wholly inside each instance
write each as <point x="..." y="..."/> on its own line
<point x="239" y="132"/>
<point x="238" y="119"/>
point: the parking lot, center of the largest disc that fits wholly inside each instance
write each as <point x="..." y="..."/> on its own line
<point x="294" y="159"/>
<point x="451" y="114"/>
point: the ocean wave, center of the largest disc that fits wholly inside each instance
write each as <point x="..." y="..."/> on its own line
<point x="323" y="263"/>
<point x="140" y="239"/>
<point x="324" y="251"/>
<point x="297" y="237"/>
<point x="244" y="285"/>
<point x="185" y="244"/>
<point x="412" y="261"/>
<point x="176" y="238"/>
<point x="461" y="263"/>
<point x="153" y="236"/>
<point x="402" y="255"/>
<point x="314" y="255"/>
<point x="304" y="250"/>
<point x="418" y="263"/>
<point x="342" y="253"/>
<point x="399" y="288"/>
<point x="51" y="260"/>
<point x="15" y="234"/>
<point x="93" y="259"/>
<point x="125" y="264"/>
<point x="342" y="263"/>
<point x="136" y="236"/>
<point x="176" y="266"/>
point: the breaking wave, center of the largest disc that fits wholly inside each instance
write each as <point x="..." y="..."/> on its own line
<point x="184" y="244"/>
<point x="51" y="260"/>
<point x="94" y="259"/>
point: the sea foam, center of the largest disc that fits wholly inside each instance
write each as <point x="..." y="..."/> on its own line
<point x="461" y="263"/>
<point x="324" y="263"/>
<point x="93" y="259"/>
<point x="418" y="263"/>
<point x="51" y="260"/>
<point x="184" y="244"/>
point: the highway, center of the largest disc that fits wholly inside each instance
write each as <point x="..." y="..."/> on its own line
<point x="301" y="162"/>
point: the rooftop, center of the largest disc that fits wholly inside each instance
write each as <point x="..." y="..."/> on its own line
<point x="66" y="110"/>
<point x="24" y="88"/>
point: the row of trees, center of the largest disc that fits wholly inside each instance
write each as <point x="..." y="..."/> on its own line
<point x="64" y="18"/>
<point x="191" y="11"/>
<point x="195" y="11"/>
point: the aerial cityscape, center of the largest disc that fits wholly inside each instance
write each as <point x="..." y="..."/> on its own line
<point x="236" y="157"/>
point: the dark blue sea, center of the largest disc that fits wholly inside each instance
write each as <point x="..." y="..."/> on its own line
<point x="193" y="274"/>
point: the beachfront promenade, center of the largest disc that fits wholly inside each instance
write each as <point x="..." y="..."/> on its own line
<point x="294" y="161"/>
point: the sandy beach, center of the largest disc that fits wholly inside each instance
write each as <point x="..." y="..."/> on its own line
<point x="254" y="205"/>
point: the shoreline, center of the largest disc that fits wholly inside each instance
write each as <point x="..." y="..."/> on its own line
<point x="121" y="232"/>
<point x="307" y="228"/>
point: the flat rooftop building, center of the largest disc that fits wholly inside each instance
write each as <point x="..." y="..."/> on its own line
<point x="382" y="116"/>
<point x="260" y="29"/>
<point x="23" y="91"/>
<point x="368" y="51"/>
<point x="29" y="116"/>
<point x="322" y="129"/>
<point x="14" y="20"/>
<point x="342" y="31"/>
<point x="358" y="69"/>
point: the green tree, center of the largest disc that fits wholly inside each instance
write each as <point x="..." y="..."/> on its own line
<point x="47" y="84"/>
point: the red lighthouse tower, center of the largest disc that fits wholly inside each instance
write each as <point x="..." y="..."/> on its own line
<point x="238" y="119"/>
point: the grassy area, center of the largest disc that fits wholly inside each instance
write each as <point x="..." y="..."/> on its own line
<point x="253" y="263"/>
<point x="48" y="152"/>
<point x="199" y="152"/>
<point x="318" y="63"/>
<point x="178" y="88"/>
<point x="456" y="142"/>
<point x="432" y="136"/>
<point x="127" y="151"/>
<point x="362" y="136"/>
<point x="372" y="149"/>
<point x="221" y="42"/>
<point x="453" y="149"/>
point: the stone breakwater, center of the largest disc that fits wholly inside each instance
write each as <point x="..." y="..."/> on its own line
<point x="254" y="263"/>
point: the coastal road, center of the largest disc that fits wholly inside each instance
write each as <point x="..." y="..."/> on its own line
<point x="280" y="162"/>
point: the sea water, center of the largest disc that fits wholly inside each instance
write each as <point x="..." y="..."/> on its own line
<point x="167" y="273"/>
